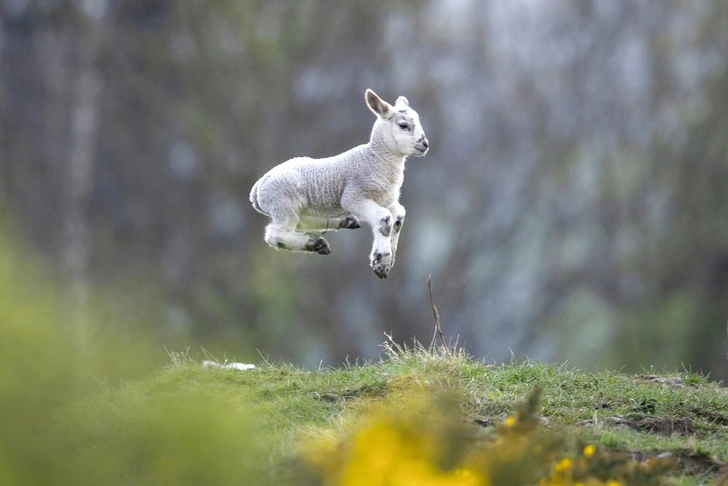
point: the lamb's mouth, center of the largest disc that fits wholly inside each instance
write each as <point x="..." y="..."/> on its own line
<point x="421" y="149"/>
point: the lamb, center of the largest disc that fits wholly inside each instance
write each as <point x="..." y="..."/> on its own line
<point x="306" y="197"/>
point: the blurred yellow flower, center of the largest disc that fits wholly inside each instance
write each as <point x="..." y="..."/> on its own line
<point x="385" y="455"/>
<point x="589" y="450"/>
<point x="564" y="465"/>
<point x="511" y="421"/>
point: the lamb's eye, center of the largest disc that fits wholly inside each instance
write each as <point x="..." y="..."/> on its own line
<point x="403" y="125"/>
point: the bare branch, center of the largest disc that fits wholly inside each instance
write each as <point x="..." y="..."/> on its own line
<point x="438" y="329"/>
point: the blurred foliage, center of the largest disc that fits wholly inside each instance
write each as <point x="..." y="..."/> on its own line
<point x="38" y="369"/>
<point x="56" y="427"/>
<point x="165" y="436"/>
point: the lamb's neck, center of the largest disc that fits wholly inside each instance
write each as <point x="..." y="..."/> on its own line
<point x="378" y="151"/>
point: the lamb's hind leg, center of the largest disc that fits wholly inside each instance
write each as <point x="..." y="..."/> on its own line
<point x="322" y="225"/>
<point x="282" y="235"/>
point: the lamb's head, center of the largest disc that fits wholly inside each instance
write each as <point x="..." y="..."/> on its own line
<point x="398" y="126"/>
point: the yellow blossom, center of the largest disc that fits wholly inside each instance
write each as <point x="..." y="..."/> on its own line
<point x="564" y="465"/>
<point x="589" y="450"/>
<point x="511" y="421"/>
<point x="384" y="455"/>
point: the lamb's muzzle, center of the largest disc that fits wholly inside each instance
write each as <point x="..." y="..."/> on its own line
<point x="307" y="197"/>
<point x="422" y="144"/>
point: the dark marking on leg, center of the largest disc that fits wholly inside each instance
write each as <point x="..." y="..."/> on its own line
<point x="398" y="224"/>
<point x="385" y="226"/>
<point x="281" y="246"/>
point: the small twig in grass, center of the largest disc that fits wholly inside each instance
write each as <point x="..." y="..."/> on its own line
<point x="438" y="329"/>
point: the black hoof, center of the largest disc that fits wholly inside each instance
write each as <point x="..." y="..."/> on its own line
<point x="320" y="246"/>
<point x="349" y="222"/>
<point x="381" y="264"/>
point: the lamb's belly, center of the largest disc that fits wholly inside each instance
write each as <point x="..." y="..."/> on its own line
<point x="324" y="211"/>
<point x="323" y="198"/>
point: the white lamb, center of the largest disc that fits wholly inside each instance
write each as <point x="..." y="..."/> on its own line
<point x="307" y="197"/>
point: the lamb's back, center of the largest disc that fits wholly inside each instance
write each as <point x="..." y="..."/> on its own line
<point x="322" y="181"/>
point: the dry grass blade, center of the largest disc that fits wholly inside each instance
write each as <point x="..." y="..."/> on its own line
<point x="436" y="314"/>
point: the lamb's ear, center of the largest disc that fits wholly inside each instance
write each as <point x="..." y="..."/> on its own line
<point x="402" y="101"/>
<point x="378" y="106"/>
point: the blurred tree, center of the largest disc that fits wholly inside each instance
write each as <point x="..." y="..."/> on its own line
<point x="85" y="86"/>
<point x="570" y="207"/>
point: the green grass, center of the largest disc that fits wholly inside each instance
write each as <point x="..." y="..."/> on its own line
<point x="187" y="422"/>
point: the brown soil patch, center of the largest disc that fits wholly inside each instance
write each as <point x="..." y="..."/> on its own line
<point x="657" y="425"/>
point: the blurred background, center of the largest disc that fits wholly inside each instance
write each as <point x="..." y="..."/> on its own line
<point x="573" y="205"/>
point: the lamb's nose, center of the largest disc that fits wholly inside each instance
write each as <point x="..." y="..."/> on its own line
<point x="425" y="142"/>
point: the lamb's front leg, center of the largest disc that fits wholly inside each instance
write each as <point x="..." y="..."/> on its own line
<point x="398" y="213"/>
<point x="381" y="221"/>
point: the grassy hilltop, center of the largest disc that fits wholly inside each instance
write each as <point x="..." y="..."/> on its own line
<point x="277" y="424"/>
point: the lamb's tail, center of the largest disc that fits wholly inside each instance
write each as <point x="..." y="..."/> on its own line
<point x="254" y="198"/>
